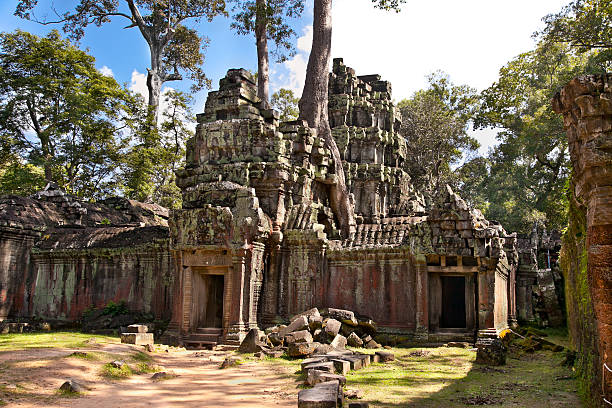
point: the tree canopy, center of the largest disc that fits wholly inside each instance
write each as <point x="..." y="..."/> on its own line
<point x="174" y="47"/>
<point x="60" y="114"/>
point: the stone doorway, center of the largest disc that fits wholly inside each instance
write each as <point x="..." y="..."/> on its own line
<point x="208" y="290"/>
<point x="453" y="302"/>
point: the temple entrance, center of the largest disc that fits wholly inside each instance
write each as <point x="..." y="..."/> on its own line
<point x="207" y="295"/>
<point x="453" y="302"/>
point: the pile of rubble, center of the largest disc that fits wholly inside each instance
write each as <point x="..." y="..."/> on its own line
<point x="313" y="332"/>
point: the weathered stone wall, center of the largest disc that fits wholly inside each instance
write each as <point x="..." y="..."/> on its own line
<point x="586" y="105"/>
<point x="60" y="256"/>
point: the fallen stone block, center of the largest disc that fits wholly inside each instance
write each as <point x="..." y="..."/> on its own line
<point x="367" y="325"/>
<point x="372" y="344"/>
<point x="136" y="328"/>
<point x="323" y="348"/>
<point x="251" y="343"/>
<point x="384" y="356"/>
<point x="118" y="364"/>
<point x="302" y="336"/>
<point x="162" y="375"/>
<point x="314" y="312"/>
<point x="275" y="338"/>
<point x="352" y="393"/>
<point x="321" y="396"/>
<point x="300" y="349"/>
<point x="300" y="323"/>
<point x="365" y="359"/>
<point x="353" y="340"/>
<point x="490" y="352"/>
<point x="339" y="342"/>
<point x="137" y="338"/>
<point x="332" y="327"/>
<point x="274" y="353"/>
<point x="326" y="366"/>
<point x="356" y="363"/>
<point x="359" y="404"/>
<point x="344" y="316"/>
<point x="313" y="360"/>
<point x="315" y="322"/>
<point x="314" y="377"/>
<point x="341" y="366"/>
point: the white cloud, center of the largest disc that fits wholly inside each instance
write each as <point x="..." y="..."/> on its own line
<point x="296" y="66"/>
<point x="106" y="71"/>
<point x="139" y="84"/>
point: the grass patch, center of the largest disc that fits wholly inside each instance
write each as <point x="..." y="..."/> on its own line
<point x="115" y="373"/>
<point x="146" y="368"/>
<point x="84" y="356"/>
<point x="143" y="357"/>
<point x="68" y="394"/>
<point x="22" y="341"/>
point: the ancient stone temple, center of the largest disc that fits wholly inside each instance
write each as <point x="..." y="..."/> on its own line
<point x="257" y="239"/>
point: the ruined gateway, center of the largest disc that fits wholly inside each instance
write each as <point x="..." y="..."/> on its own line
<point x="257" y="240"/>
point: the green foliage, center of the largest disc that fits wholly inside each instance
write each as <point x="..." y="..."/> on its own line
<point x="286" y="103"/>
<point x="150" y="166"/>
<point x="115" y="373"/>
<point x="59" y="113"/>
<point x="141" y="357"/>
<point x="526" y="173"/>
<point x="586" y="25"/>
<point x="116" y="309"/>
<point x="21" y="178"/>
<point x="434" y="125"/>
<point x="275" y="13"/>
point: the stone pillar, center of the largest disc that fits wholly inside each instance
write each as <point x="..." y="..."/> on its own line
<point x="239" y="312"/>
<point x="486" y="295"/>
<point x="586" y="105"/>
<point x="422" y="295"/>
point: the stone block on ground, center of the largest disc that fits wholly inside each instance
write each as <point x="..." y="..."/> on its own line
<point x="326" y="366"/>
<point x="490" y="352"/>
<point x="301" y="349"/>
<point x="314" y="377"/>
<point x="137" y="338"/>
<point x="372" y="344"/>
<point x="313" y="360"/>
<point x="302" y="336"/>
<point x="339" y="342"/>
<point x="315" y="322"/>
<point x="341" y="366"/>
<point x="365" y="359"/>
<point x="344" y="316"/>
<point x="300" y="323"/>
<point x="332" y="327"/>
<point x="353" y="393"/>
<point x="314" y="312"/>
<point x="367" y="325"/>
<point x="353" y="340"/>
<point x="137" y="328"/>
<point x="274" y="353"/>
<point x="251" y="343"/>
<point x="323" y="395"/>
<point x="385" y="356"/>
<point x="358" y="404"/>
<point x="275" y="338"/>
<point x="72" y="386"/>
<point x="323" y="348"/>
<point x="356" y="363"/>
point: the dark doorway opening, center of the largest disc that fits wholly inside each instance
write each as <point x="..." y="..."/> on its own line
<point x="453" y="302"/>
<point x="214" y="301"/>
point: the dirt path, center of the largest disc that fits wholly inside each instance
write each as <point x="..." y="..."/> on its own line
<point x="31" y="378"/>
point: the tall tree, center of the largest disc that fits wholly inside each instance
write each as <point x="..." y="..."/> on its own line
<point x="149" y="169"/>
<point x="174" y="48"/>
<point x="434" y="124"/>
<point x="314" y="102"/>
<point x="60" y="113"/>
<point x="529" y="168"/>
<point x="268" y="20"/>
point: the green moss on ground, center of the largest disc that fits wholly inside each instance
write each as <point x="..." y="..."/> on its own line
<point x="21" y="341"/>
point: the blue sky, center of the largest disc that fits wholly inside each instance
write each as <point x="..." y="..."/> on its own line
<point x="470" y="40"/>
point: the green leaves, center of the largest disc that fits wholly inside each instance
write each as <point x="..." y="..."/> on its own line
<point x="59" y="113"/>
<point x="286" y="103"/>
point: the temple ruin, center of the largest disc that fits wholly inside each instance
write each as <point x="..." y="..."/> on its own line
<point x="257" y="240"/>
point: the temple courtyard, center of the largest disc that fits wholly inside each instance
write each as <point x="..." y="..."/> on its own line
<point x="33" y="366"/>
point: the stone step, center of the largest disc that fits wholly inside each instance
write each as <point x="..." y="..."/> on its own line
<point x="209" y="330"/>
<point x="200" y="345"/>
<point x="204" y="337"/>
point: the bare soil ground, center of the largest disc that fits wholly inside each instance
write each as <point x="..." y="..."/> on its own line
<point x="31" y="378"/>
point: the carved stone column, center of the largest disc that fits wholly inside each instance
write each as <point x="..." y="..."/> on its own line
<point x="422" y="298"/>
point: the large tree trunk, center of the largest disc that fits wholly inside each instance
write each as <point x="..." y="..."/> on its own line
<point x="313" y="109"/>
<point x="154" y="82"/>
<point x="261" y="38"/>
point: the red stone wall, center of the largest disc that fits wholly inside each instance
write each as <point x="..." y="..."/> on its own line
<point x="586" y="105"/>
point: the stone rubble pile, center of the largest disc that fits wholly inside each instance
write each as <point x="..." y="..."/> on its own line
<point x="313" y="332"/>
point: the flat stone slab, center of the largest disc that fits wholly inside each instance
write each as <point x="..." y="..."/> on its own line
<point x="326" y="366"/>
<point x="365" y="359"/>
<point x="321" y="396"/>
<point x="137" y="338"/>
<point x="313" y="360"/>
<point x="355" y="362"/>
